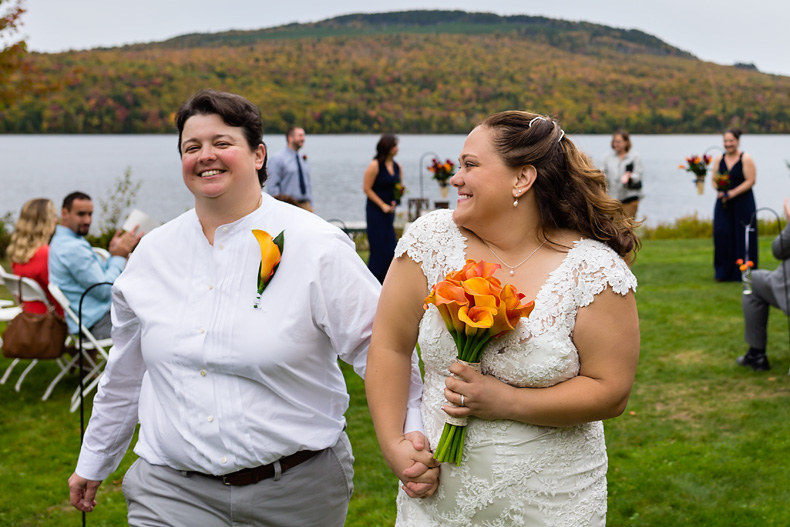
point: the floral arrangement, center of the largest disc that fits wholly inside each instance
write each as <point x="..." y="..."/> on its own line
<point x="271" y="253"/>
<point x="722" y="181"/>
<point x="476" y="308"/>
<point x="399" y="191"/>
<point x="699" y="167"/>
<point x="441" y="171"/>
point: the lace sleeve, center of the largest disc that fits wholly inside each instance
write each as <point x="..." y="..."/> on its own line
<point x="434" y="242"/>
<point x="598" y="267"/>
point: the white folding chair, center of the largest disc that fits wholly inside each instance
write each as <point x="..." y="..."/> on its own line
<point x="101" y="347"/>
<point x="8" y="310"/>
<point x="32" y="292"/>
<point x="101" y="253"/>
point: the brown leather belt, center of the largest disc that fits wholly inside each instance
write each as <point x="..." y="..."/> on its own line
<point x="248" y="476"/>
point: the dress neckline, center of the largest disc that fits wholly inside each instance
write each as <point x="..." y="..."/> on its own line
<point x="552" y="273"/>
<point x="729" y="168"/>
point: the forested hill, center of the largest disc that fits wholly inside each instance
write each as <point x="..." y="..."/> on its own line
<point x="407" y="72"/>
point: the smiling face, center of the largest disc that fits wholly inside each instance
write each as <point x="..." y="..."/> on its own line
<point x="217" y="161"/>
<point x="730" y="143"/>
<point x="618" y="144"/>
<point x="484" y="183"/>
<point x="296" y="139"/>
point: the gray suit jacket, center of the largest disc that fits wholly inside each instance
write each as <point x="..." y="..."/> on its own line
<point x="776" y="279"/>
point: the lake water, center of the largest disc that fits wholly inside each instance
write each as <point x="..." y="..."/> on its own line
<point x="53" y="165"/>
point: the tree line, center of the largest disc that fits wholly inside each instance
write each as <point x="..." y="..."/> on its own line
<point x="404" y="82"/>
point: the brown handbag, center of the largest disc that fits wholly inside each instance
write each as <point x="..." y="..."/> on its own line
<point x="35" y="335"/>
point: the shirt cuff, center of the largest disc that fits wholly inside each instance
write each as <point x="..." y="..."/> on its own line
<point x="95" y="466"/>
<point x="413" y="422"/>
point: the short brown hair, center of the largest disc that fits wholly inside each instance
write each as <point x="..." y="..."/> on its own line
<point x="234" y="110"/>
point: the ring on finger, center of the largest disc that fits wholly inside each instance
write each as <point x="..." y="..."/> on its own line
<point x="462" y="400"/>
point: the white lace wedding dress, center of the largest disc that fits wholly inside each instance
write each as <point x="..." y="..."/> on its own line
<point x="514" y="474"/>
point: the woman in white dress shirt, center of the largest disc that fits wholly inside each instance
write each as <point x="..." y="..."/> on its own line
<point x="240" y="401"/>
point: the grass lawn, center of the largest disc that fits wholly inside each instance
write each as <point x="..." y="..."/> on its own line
<point x="702" y="442"/>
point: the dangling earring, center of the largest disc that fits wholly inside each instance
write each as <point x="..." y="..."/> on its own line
<point x="515" y="203"/>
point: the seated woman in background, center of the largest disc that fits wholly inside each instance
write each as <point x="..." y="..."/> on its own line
<point x="29" y="248"/>
<point x="381" y="177"/>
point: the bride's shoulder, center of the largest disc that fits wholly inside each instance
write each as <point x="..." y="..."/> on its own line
<point x="594" y="261"/>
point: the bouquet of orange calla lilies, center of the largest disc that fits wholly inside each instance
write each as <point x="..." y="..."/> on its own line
<point x="476" y="308"/>
<point x="271" y="252"/>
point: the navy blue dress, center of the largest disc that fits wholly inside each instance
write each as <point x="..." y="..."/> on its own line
<point x="381" y="229"/>
<point x="729" y="228"/>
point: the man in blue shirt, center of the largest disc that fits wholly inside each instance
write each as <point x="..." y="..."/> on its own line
<point x="289" y="172"/>
<point x="73" y="266"/>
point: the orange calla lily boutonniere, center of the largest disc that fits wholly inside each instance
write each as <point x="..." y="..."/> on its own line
<point x="271" y="252"/>
<point x="476" y="308"/>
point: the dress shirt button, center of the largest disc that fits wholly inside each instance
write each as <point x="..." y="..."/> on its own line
<point x="223" y="460"/>
<point x="221" y="246"/>
<point x="203" y="373"/>
<point x="211" y="420"/>
<point x="210" y="287"/>
<point x="224" y="229"/>
<point x="202" y="330"/>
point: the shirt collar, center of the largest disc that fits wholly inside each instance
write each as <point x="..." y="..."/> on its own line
<point x="65" y="231"/>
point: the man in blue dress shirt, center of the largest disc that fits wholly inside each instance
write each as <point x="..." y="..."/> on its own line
<point x="73" y="266"/>
<point x="289" y="173"/>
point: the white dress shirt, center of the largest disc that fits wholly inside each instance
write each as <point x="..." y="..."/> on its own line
<point x="217" y="384"/>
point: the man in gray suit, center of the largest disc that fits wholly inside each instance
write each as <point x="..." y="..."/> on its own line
<point x="769" y="288"/>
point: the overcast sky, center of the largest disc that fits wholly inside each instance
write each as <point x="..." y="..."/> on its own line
<point x="722" y="31"/>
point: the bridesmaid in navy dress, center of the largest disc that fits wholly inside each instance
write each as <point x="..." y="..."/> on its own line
<point x="734" y="210"/>
<point x="381" y="176"/>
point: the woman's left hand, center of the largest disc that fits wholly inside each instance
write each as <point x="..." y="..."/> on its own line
<point x="626" y="178"/>
<point x="484" y="396"/>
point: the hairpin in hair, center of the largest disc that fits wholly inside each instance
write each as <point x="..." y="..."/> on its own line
<point x="562" y="132"/>
<point x="535" y="119"/>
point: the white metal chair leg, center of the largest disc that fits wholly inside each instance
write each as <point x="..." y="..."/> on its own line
<point x="64" y="369"/>
<point x="8" y="371"/>
<point x="18" y="385"/>
<point x="75" y="402"/>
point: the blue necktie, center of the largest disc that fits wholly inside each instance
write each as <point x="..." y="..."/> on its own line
<point x="302" y="186"/>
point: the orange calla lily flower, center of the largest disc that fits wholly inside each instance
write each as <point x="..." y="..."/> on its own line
<point x="271" y="253"/>
<point x="476" y="308"/>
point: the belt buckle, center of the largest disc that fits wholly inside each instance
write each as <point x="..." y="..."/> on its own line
<point x="225" y="480"/>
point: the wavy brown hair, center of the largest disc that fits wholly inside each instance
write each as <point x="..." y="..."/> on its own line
<point x="570" y="191"/>
<point x="33" y="229"/>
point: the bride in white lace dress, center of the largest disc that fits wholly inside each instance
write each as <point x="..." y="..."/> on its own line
<point x="534" y="452"/>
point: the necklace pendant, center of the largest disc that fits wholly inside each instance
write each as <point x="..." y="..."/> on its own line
<point x="512" y="272"/>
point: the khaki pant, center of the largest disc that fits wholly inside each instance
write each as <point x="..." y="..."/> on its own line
<point x="314" y="493"/>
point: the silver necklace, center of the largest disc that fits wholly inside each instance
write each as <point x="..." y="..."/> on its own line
<point x="513" y="268"/>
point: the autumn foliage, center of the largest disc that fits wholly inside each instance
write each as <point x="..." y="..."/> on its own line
<point x="363" y="75"/>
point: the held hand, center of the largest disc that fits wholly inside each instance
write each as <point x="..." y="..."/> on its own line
<point x="625" y="178"/>
<point x="124" y="242"/>
<point x="413" y="464"/>
<point x="82" y="492"/>
<point x="723" y="196"/>
<point x="429" y="475"/>
<point x="484" y="396"/>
